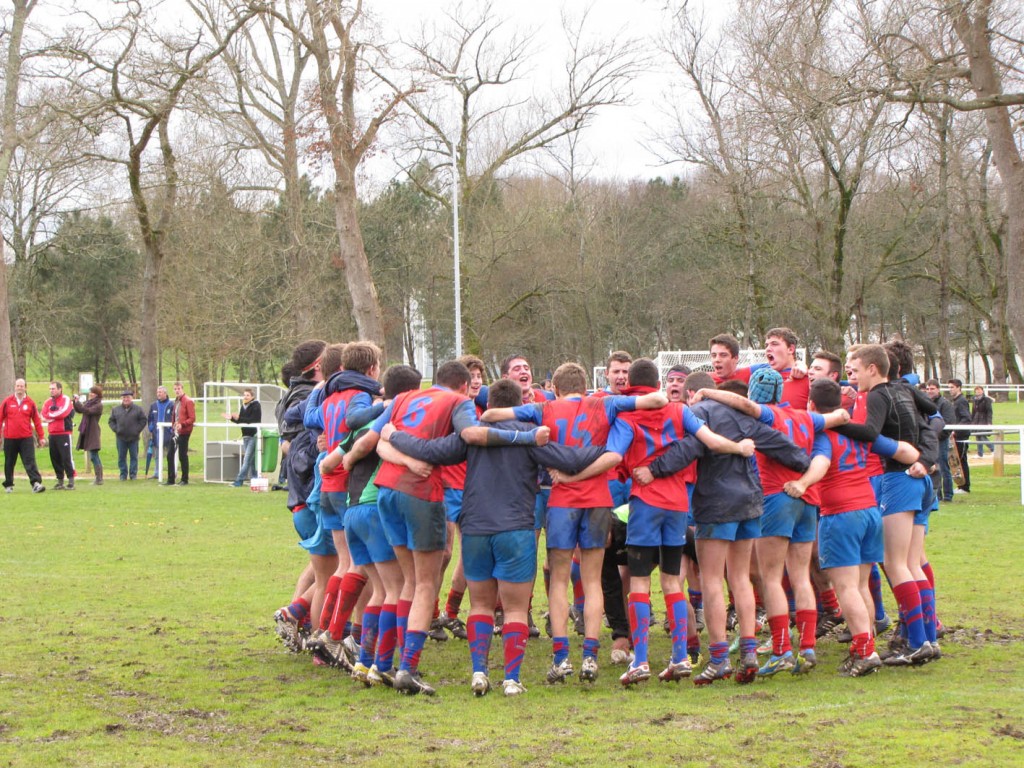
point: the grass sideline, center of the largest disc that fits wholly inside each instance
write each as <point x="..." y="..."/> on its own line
<point x="135" y="630"/>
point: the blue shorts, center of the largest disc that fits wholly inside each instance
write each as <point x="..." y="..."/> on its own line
<point x="850" y="538"/>
<point x="738" y="531"/>
<point x="620" y="491"/>
<point x="931" y="499"/>
<point x="365" y="535"/>
<point x="876" y="486"/>
<point x="540" y="509"/>
<point x="571" y="526"/>
<point x="452" y="504"/>
<point x="789" y="518"/>
<point x="651" y="526"/>
<point x="901" y="493"/>
<point x="410" y="522"/>
<point x="311" y="536"/>
<point x="332" y="510"/>
<point x="509" y="556"/>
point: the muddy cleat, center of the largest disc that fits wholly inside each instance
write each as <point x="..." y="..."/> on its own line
<point x="532" y="629"/>
<point x="712" y="672"/>
<point x="698" y="616"/>
<point x="350" y="649"/>
<point x="287" y="630"/>
<point x="513" y="688"/>
<point x="882" y="624"/>
<point x="936" y="651"/>
<point x="805" y="662"/>
<point x="760" y="619"/>
<point x="634" y="675"/>
<point x="547" y="625"/>
<point x="588" y="672"/>
<point x="695" y="658"/>
<point x="846" y="636"/>
<point x="499" y="621"/>
<point x="576" y="617"/>
<point x="854" y="666"/>
<point x="676" y="671"/>
<point x="559" y="672"/>
<point x="827" y="623"/>
<point x="621" y="652"/>
<point x="361" y="673"/>
<point x="479" y="685"/>
<point x="411" y="683"/>
<point x="749" y="667"/>
<point x="436" y="632"/>
<point x="776" y="664"/>
<point x="730" y="618"/>
<point x="376" y="677"/>
<point x="456" y="626"/>
<point x="327" y="649"/>
<point x="910" y="656"/>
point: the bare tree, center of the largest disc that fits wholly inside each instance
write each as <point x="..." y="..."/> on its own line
<point x="497" y="123"/>
<point x="140" y="74"/>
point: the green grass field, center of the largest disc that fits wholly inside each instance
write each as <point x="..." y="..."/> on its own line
<point x="135" y="629"/>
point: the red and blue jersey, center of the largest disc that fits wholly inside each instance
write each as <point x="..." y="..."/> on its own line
<point x="427" y="413"/>
<point x="454" y="476"/>
<point x="641" y="437"/>
<point x="800" y="427"/>
<point x="846" y="486"/>
<point x="334" y="410"/>
<point x="859" y="416"/>
<point x="578" y="422"/>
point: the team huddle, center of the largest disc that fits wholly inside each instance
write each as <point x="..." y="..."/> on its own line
<point x="775" y="482"/>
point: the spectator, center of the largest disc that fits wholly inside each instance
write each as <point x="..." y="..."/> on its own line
<point x="127" y="422"/>
<point x="183" y="418"/>
<point x="250" y="413"/>
<point x="57" y="413"/>
<point x="89" y="429"/>
<point x="962" y="410"/>
<point x="18" y="416"/>
<point x="981" y="413"/>
<point x="934" y="391"/>
<point x="160" y="411"/>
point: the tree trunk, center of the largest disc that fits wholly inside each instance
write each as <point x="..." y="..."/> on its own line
<point x="353" y="262"/>
<point x="7" y="374"/>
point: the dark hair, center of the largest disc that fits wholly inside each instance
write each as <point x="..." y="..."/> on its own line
<point x="726" y="340"/>
<point x="58" y="385"/>
<point x="894" y="364"/>
<point x="733" y="385"/>
<point x="786" y="334"/>
<point x="933" y="383"/>
<point x="683" y="369"/>
<point x="288" y="370"/>
<point x="504" y="393"/>
<point x="399" y="379"/>
<point x="835" y="364"/>
<point x="826" y="395"/>
<point x="904" y="354"/>
<point x="643" y="373"/>
<point x="453" y="375"/>
<point x="698" y="380"/>
<point x="305" y="355"/>
<point x="96" y="389"/>
<point x="956" y="382"/>
<point x="503" y="368"/>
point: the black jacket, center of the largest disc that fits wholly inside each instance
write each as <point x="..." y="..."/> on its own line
<point x="728" y="488"/>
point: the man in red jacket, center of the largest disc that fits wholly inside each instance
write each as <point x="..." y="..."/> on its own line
<point x="57" y="413"/>
<point x="184" y="419"/>
<point x="18" y="414"/>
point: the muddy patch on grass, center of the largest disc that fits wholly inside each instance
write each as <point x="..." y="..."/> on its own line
<point x="976" y="637"/>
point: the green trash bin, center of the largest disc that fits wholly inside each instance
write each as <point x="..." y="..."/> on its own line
<point x="271" y="441"/>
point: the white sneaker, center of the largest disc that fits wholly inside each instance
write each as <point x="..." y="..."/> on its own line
<point x="513" y="688"/>
<point x="620" y="656"/>
<point x="480" y="684"/>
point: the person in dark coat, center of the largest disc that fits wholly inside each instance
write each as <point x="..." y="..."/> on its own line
<point x="127" y="422"/>
<point x="89" y="430"/>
